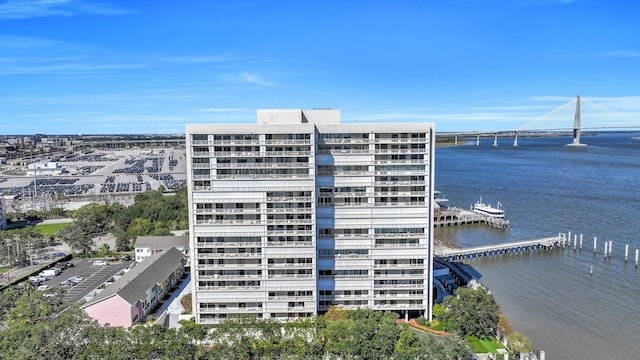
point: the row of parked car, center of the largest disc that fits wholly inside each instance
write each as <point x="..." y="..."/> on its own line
<point x="72" y="281"/>
<point x="47" y="274"/>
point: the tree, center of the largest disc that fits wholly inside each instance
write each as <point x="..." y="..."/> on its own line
<point x="122" y="243"/>
<point x="504" y="326"/>
<point x="519" y="343"/>
<point x="365" y="334"/>
<point x="89" y="220"/>
<point x="186" y="302"/>
<point x="247" y="337"/>
<point x="335" y="313"/>
<point x="103" y="250"/>
<point x="139" y="227"/>
<point x="407" y="347"/>
<point x="8" y="298"/>
<point x="412" y="346"/>
<point x="195" y="331"/>
<point x="76" y="237"/>
<point x="437" y="310"/>
<point x="471" y="312"/>
<point x="302" y="338"/>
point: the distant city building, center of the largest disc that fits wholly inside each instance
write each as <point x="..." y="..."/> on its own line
<point x="45" y="168"/>
<point x="148" y="245"/>
<point x="133" y="296"/>
<point x="300" y="212"/>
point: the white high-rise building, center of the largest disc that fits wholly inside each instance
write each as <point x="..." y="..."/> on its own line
<point x="300" y="212"/>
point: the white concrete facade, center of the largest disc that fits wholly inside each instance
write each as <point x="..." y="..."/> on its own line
<point x="299" y="212"/>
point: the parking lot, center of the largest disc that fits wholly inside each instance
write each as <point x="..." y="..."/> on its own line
<point x="93" y="276"/>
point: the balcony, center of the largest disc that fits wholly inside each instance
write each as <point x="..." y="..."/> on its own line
<point x="399" y="276"/>
<point x="290" y="265"/>
<point x="230" y="277"/>
<point x="288" y="142"/>
<point x="399" y="286"/>
<point x="228" y="222"/>
<point x="289" y="243"/>
<point x="214" y="211"/>
<point x="290" y="276"/>
<point x="227" y="255"/>
<point x="236" y="142"/>
<point x="245" y="266"/>
<point x="254" y="165"/>
<point x="200" y="154"/>
<point x="229" y="244"/>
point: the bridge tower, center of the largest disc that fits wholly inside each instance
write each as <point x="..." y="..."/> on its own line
<point x="576" y="126"/>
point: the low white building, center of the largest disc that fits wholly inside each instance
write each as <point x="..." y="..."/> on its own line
<point x="148" y="245"/>
<point x="45" y="168"/>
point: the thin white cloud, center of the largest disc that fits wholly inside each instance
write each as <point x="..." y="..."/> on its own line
<point x="511" y="108"/>
<point x="64" y="68"/>
<point x="26" y="42"/>
<point x="255" y="79"/>
<point x="522" y="3"/>
<point x="219" y="110"/>
<point x="620" y="53"/>
<point x="201" y="59"/>
<point x="26" y="9"/>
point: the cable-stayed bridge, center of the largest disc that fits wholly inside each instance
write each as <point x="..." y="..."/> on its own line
<point x="573" y="117"/>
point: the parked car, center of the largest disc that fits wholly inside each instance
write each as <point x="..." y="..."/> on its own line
<point x="100" y="263"/>
<point x="38" y="278"/>
<point x="127" y="258"/>
<point x="44" y="287"/>
<point x="50" y="272"/>
<point x="76" y="279"/>
<point x="67" y="283"/>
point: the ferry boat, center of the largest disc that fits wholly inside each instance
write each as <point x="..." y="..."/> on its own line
<point x="440" y="199"/>
<point x="484" y="209"/>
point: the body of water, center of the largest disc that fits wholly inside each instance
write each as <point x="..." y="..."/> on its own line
<point x="546" y="188"/>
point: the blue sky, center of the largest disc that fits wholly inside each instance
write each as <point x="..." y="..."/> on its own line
<point x="117" y="67"/>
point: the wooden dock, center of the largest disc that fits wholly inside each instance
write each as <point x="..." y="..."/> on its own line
<point x="547" y="243"/>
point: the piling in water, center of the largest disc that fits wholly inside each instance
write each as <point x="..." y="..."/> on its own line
<point x="580" y="242"/>
<point x="626" y="253"/>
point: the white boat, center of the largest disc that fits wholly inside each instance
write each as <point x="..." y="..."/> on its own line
<point x="440" y="199"/>
<point x="484" y="209"/>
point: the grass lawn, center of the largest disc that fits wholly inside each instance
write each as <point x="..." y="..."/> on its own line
<point x="483" y="346"/>
<point x="492" y="345"/>
<point x="50" y="229"/>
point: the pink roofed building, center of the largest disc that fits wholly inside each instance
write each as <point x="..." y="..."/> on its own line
<point x="134" y="295"/>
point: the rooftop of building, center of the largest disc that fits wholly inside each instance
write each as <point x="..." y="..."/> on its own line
<point x="162" y="242"/>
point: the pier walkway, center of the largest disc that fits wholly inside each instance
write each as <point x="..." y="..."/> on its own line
<point x="547" y="243"/>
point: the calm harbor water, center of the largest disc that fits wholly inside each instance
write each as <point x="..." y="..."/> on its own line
<point x="546" y="188"/>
